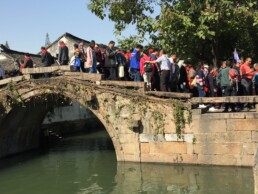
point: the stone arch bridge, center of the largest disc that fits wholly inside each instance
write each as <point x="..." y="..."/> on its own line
<point x="144" y="126"/>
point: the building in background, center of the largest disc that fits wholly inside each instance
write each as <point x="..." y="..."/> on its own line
<point x="10" y="60"/>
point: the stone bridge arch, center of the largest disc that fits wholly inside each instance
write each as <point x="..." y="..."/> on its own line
<point x="142" y="128"/>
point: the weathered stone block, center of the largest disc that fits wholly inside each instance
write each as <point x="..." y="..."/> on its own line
<point x="213" y="126"/>
<point x="229" y="137"/>
<point x="147" y="138"/>
<point x="129" y="138"/>
<point x="228" y="160"/>
<point x="174" y="148"/>
<point x="130" y="148"/>
<point x="218" y="148"/>
<point x="170" y="127"/>
<point x="242" y="125"/>
<point x="248" y="149"/>
<point x="255" y="136"/>
<point x="175" y="138"/>
<point x="251" y="115"/>
<point x="145" y="148"/>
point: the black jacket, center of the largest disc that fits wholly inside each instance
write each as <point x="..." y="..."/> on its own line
<point x="28" y="64"/>
<point x="63" y="56"/>
<point x="46" y="59"/>
<point x="110" y="60"/>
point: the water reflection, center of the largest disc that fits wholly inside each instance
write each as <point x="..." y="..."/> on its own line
<point x="87" y="164"/>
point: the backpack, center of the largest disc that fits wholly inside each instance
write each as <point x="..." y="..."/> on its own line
<point x="77" y="62"/>
<point x="233" y="76"/>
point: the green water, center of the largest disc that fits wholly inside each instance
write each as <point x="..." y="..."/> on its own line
<point x="87" y="164"/>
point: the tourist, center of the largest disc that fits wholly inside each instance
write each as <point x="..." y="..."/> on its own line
<point x="165" y="67"/>
<point x="111" y="61"/>
<point x="75" y="63"/>
<point x="191" y="79"/>
<point x="128" y="55"/>
<point x="63" y="56"/>
<point x="255" y="79"/>
<point x="28" y="63"/>
<point x="99" y="58"/>
<point x="91" y="61"/>
<point x="183" y="82"/>
<point x="146" y="68"/>
<point x="83" y="56"/>
<point x="155" y="76"/>
<point x="21" y="66"/>
<point x="46" y="59"/>
<point x="227" y="88"/>
<point x="173" y="81"/>
<point x="2" y="73"/>
<point x="246" y="74"/>
<point x="212" y="84"/>
<point x="135" y="63"/>
<point x="121" y="61"/>
<point x="200" y="82"/>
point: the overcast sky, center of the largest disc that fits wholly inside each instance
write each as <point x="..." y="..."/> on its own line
<point x="24" y="23"/>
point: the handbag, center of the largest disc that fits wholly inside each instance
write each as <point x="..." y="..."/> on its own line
<point x="147" y="67"/>
<point x="194" y="82"/>
<point x="121" y="71"/>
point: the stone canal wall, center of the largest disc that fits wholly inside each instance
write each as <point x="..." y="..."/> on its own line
<point x="213" y="139"/>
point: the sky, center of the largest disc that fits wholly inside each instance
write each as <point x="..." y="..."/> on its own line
<point x="25" y="23"/>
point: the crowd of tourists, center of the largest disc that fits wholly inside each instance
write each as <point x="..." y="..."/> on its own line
<point x="160" y="71"/>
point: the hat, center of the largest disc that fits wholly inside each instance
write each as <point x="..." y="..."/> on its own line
<point x="151" y="50"/>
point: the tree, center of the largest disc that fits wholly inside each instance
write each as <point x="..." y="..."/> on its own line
<point x="7" y="45"/>
<point x="47" y="41"/>
<point x="201" y="30"/>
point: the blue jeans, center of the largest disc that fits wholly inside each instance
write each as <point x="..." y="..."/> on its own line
<point x="93" y="69"/>
<point x="201" y="91"/>
<point x="136" y="73"/>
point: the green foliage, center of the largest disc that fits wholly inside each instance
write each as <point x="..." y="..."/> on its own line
<point x="14" y="94"/>
<point x="159" y="122"/>
<point x="201" y="30"/>
<point x="179" y="118"/>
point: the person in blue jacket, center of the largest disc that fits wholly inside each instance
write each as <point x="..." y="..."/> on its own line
<point x="135" y="63"/>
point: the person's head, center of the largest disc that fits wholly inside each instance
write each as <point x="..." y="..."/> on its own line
<point x="75" y="46"/>
<point x="82" y="43"/>
<point x="248" y="61"/>
<point x="145" y="52"/>
<point x="111" y="44"/>
<point x="92" y="44"/>
<point x="43" y="48"/>
<point x="211" y="69"/>
<point x="256" y="66"/>
<point x="204" y="64"/>
<point x="173" y="56"/>
<point x="224" y="64"/>
<point x="139" y="47"/>
<point x="27" y="55"/>
<point x="156" y="52"/>
<point x="163" y="52"/>
<point x="186" y="64"/>
<point x="22" y="61"/>
<point x="61" y="42"/>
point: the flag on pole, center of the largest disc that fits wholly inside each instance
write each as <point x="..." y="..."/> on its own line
<point x="236" y="57"/>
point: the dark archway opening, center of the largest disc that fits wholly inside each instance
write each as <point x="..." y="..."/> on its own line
<point x="72" y="160"/>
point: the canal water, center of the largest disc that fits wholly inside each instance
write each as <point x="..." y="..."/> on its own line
<point x="87" y="164"/>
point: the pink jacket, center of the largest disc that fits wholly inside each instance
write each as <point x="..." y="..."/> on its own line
<point x="143" y="59"/>
<point x="89" y="60"/>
